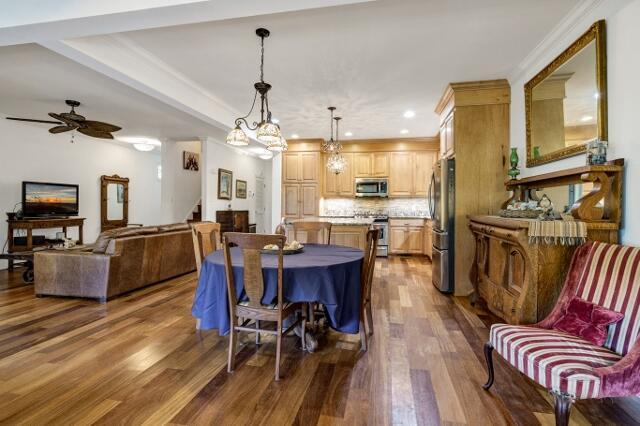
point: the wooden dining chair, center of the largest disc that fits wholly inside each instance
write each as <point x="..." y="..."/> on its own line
<point x="317" y="232"/>
<point x="366" y="280"/>
<point x="252" y="308"/>
<point x="206" y="239"/>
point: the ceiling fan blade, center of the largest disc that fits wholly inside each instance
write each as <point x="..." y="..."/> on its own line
<point x="100" y="126"/>
<point x="94" y="133"/>
<point x="60" y="129"/>
<point x="31" y="120"/>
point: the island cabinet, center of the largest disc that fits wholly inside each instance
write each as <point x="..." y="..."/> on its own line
<point x="350" y="235"/>
<point x="367" y="164"/>
<point x="519" y="281"/>
<point x="410" y="173"/>
<point x="406" y="236"/>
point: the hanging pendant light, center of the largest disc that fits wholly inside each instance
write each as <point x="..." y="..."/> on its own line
<point x="336" y="163"/>
<point x="330" y="146"/>
<point x="268" y="132"/>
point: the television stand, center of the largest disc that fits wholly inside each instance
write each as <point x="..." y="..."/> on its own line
<point x="38" y="223"/>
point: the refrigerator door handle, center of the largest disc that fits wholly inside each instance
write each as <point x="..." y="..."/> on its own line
<point x="431" y="195"/>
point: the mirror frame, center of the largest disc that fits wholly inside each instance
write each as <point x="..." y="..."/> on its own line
<point x="106" y="224"/>
<point x="597" y="33"/>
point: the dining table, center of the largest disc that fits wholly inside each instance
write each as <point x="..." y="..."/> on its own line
<point x="328" y="274"/>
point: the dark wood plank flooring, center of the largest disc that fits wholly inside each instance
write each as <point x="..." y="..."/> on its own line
<point x="139" y="360"/>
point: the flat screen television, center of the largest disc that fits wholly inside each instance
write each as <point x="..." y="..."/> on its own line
<point x="41" y="199"/>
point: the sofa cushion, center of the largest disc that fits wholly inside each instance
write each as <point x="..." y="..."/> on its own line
<point x="554" y="359"/>
<point x="587" y="320"/>
<point x="105" y="237"/>
<point x="174" y="227"/>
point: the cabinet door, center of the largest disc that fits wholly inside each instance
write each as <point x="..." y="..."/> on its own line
<point x="308" y="200"/>
<point x="415" y="239"/>
<point x="401" y="174"/>
<point x="330" y="180"/>
<point x="291" y="200"/>
<point x="362" y="166"/>
<point x="443" y="139"/>
<point x="428" y="239"/>
<point x="346" y="180"/>
<point x="290" y="167"/>
<point x="309" y="170"/>
<point x="422" y="169"/>
<point x="398" y="242"/>
<point x="380" y="164"/>
<point x="349" y="236"/>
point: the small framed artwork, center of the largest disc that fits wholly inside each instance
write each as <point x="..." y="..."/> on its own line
<point x="225" y="184"/>
<point x="190" y="161"/>
<point x="241" y="188"/>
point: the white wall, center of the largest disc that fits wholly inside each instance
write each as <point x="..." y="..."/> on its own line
<point x="181" y="189"/>
<point x="29" y="152"/>
<point x="245" y="167"/>
<point x="623" y="67"/>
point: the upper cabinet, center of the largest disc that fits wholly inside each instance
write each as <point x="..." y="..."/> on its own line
<point x="366" y="164"/>
<point x="410" y="173"/>
<point x="446" y="137"/>
<point x="301" y="167"/>
<point x="341" y="185"/>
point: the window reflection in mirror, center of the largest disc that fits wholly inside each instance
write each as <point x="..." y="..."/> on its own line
<point x="563" y="197"/>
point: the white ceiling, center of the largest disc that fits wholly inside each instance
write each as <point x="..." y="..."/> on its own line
<point x="373" y="61"/>
<point x="35" y="81"/>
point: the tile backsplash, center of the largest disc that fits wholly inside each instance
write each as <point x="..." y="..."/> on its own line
<point x="417" y="207"/>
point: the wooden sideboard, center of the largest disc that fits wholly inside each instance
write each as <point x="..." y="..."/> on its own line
<point x="520" y="281"/>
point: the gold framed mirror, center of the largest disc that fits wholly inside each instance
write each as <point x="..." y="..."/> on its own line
<point x="114" y="206"/>
<point x="566" y="102"/>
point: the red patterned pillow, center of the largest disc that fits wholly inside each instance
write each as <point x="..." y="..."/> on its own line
<point x="587" y="320"/>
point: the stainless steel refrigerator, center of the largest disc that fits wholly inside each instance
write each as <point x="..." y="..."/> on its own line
<point x="442" y="209"/>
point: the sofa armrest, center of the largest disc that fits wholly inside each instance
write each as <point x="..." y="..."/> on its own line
<point x="622" y="378"/>
<point x="78" y="273"/>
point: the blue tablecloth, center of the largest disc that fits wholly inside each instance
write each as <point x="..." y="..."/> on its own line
<point x="326" y="274"/>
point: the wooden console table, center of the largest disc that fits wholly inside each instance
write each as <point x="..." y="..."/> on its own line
<point x="30" y="224"/>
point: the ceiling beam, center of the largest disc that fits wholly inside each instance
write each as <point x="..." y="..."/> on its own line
<point x="37" y="21"/>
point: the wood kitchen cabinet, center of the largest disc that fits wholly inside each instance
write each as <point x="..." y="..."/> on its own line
<point x="300" y="200"/>
<point x="428" y="238"/>
<point x="349" y="235"/>
<point x="301" y="167"/>
<point x="341" y="185"/>
<point x="367" y="164"/>
<point x="406" y="236"/>
<point x="410" y="173"/>
<point x="446" y="137"/>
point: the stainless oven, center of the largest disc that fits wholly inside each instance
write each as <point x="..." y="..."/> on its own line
<point x="383" y="239"/>
<point x="372" y="187"/>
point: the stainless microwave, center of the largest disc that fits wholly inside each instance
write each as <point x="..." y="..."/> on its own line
<point x="372" y="187"/>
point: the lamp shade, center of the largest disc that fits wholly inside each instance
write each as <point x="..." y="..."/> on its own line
<point x="280" y="145"/>
<point x="237" y="137"/>
<point x="269" y="133"/>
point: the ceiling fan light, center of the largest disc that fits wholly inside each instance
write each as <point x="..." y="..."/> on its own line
<point x="237" y="137"/>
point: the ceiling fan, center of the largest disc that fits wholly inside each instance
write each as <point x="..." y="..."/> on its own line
<point x="73" y="121"/>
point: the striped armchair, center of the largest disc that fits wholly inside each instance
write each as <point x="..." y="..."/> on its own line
<point x="570" y="367"/>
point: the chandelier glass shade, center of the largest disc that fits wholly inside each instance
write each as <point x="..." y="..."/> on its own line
<point x="268" y="132"/>
<point x="331" y="146"/>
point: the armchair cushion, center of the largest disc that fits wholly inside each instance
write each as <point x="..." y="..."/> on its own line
<point x="556" y="360"/>
<point x="587" y="320"/>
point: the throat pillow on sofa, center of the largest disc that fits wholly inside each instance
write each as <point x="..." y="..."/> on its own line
<point x="587" y="320"/>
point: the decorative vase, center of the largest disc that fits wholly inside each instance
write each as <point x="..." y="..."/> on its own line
<point x="513" y="160"/>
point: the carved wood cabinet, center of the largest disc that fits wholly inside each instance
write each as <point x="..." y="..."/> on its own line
<point x="519" y="282"/>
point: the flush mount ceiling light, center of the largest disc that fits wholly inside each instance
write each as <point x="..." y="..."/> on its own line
<point x="331" y="145"/>
<point x="268" y="131"/>
<point x="404" y="131"/>
<point x="141" y="143"/>
<point x="336" y="163"/>
<point x="409" y="114"/>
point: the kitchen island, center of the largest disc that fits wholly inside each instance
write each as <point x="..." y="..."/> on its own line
<point x="345" y="231"/>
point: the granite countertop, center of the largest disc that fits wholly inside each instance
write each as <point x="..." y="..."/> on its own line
<point x="344" y="221"/>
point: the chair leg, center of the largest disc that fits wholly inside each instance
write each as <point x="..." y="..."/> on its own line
<point x="312" y="316"/>
<point x="363" y="337"/>
<point x="303" y="337"/>
<point x="233" y="340"/>
<point x="369" y="318"/>
<point x="257" y="332"/>
<point x="278" y="351"/>
<point x="488" y="355"/>
<point x="563" y="404"/>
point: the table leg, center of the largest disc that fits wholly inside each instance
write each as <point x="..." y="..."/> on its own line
<point x="80" y="235"/>
<point x="29" y="239"/>
<point x="64" y="229"/>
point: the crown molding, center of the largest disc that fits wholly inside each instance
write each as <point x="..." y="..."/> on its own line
<point x="550" y="43"/>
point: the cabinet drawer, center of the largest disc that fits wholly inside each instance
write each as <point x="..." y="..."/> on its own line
<point x="406" y="222"/>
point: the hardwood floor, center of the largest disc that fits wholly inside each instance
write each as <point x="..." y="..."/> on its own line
<point x="139" y="360"/>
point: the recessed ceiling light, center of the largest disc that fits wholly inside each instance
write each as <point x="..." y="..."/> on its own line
<point x="404" y="131"/>
<point x="586" y="118"/>
<point x="347" y="134"/>
<point x="409" y="114"/>
<point x="294" y="136"/>
<point x="275" y="120"/>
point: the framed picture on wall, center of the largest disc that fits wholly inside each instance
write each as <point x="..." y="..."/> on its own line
<point x="190" y="161"/>
<point x="225" y="184"/>
<point x="241" y="188"/>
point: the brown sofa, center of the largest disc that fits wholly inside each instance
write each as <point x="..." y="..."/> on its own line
<point x="120" y="261"/>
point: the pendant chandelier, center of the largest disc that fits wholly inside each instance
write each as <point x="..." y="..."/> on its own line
<point x="268" y="132"/>
<point x="336" y="163"/>
<point x="331" y="146"/>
